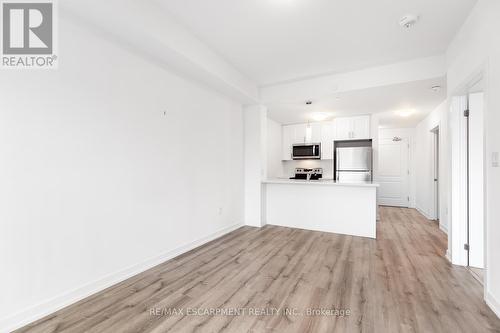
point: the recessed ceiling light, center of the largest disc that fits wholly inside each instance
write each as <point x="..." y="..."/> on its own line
<point x="320" y="116"/>
<point x="408" y="21"/>
<point x="436" y="88"/>
<point x="405" y="112"/>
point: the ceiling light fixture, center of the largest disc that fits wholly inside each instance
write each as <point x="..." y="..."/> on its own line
<point x="320" y="116"/>
<point x="405" y="113"/>
<point x="436" y="88"/>
<point x="408" y="21"/>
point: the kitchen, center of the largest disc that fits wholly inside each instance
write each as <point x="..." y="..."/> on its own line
<point x="323" y="177"/>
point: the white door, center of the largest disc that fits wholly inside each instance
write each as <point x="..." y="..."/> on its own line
<point x="393" y="172"/>
<point x="476" y="181"/>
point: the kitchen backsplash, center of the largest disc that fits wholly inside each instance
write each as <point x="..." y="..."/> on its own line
<point x="327" y="165"/>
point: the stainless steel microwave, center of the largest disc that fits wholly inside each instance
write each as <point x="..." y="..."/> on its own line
<point x="306" y="151"/>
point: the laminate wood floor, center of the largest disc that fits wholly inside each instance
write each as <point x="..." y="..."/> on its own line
<point x="400" y="282"/>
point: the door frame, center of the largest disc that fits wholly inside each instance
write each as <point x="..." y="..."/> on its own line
<point x="436" y="165"/>
<point x="458" y="220"/>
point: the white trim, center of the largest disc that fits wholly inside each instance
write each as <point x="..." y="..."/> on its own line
<point x="49" y="306"/>
<point x="442" y="227"/>
<point x="448" y="255"/>
<point x="421" y="211"/>
<point x="492" y="303"/>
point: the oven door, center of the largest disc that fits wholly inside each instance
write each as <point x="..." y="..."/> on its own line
<point x="306" y="151"/>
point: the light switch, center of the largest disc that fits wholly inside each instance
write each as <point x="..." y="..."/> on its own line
<point x="494" y="159"/>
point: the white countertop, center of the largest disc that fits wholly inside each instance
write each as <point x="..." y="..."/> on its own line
<point x="322" y="182"/>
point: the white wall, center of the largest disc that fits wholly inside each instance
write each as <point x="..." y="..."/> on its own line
<point x="274" y="140"/>
<point x="473" y="49"/>
<point x="255" y="148"/>
<point x="409" y="134"/>
<point x="424" y="165"/>
<point x="96" y="183"/>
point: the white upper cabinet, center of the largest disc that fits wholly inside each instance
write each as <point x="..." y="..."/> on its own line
<point x="287" y="138"/>
<point x="348" y="128"/>
<point x="313" y="133"/>
<point x="299" y="133"/>
<point x="345" y="128"/>
<point x="327" y="137"/>
<point x="361" y="127"/>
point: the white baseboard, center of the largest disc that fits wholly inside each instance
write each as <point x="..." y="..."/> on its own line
<point x="448" y="255"/>
<point x="492" y="303"/>
<point x="49" y="306"/>
<point x="443" y="228"/>
<point x="423" y="213"/>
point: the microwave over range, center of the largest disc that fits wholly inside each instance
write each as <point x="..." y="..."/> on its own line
<point x="306" y="151"/>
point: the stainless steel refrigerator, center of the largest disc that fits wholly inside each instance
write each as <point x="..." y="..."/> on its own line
<point x="354" y="164"/>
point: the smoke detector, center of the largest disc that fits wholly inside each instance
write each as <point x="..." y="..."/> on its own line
<point x="408" y="21"/>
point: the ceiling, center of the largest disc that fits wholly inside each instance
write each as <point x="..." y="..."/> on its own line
<point x="273" y="41"/>
<point x="386" y="101"/>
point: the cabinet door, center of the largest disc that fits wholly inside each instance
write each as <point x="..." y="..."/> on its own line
<point x="299" y="133"/>
<point x="327" y="137"/>
<point x="315" y="130"/>
<point x="361" y="127"/>
<point x="343" y="128"/>
<point x="287" y="141"/>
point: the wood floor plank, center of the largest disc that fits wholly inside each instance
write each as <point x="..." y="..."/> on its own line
<point x="400" y="282"/>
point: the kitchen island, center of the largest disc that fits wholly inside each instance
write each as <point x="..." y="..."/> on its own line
<point x="324" y="205"/>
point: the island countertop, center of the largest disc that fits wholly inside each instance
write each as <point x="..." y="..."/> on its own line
<point x="322" y="205"/>
<point x="322" y="182"/>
